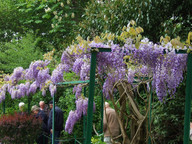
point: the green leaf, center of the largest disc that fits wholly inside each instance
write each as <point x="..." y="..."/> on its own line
<point x="40" y="7"/>
<point x="47" y="16"/>
<point x="21" y="10"/>
<point x="27" y="22"/>
<point x="62" y="30"/>
<point x="38" y="21"/>
<point x="29" y="9"/>
<point x="60" y="12"/>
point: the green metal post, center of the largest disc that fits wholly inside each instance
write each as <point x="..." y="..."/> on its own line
<point x="53" y="121"/>
<point x="84" y="121"/>
<point x="91" y="95"/>
<point x="188" y="99"/>
<point x="4" y="107"/>
<point x="149" y="116"/>
<point x="75" y="139"/>
<point x="102" y="109"/>
<point x="84" y="129"/>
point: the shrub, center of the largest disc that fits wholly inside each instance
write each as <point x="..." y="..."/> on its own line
<point x="19" y="128"/>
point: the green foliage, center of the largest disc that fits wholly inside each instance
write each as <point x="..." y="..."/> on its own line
<point x="177" y="25"/>
<point x="10" y="20"/>
<point x="97" y="140"/>
<point x="55" y="21"/>
<point x="97" y="118"/>
<point x="18" y="53"/>
<point x="110" y="16"/>
<point x="70" y="76"/>
<point x="66" y="100"/>
<point x="57" y="26"/>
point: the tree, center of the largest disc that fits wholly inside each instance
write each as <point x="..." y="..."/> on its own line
<point x="18" y="53"/>
<point x="10" y="20"/>
<point x="156" y="17"/>
<point x="54" y="21"/>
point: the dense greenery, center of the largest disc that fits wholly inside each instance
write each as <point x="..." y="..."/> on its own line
<point x="54" y="21"/>
<point x="10" y="20"/>
<point x="156" y="17"/>
<point x="19" y="53"/>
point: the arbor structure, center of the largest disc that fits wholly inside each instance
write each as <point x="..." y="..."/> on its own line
<point x="131" y="55"/>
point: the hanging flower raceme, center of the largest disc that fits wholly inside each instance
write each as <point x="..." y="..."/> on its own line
<point x="52" y="89"/>
<point x="77" y="90"/>
<point x="74" y="116"/>
<point x="2" y="95"/>
<point x="77" y="65"/>
<point x="112" y="78"/>
<point x="71" y="120"/>
<point x="34" y="68"/>
<point x="23" y="89"/>
<point x="57" y="74"/>
<point x="42" y="76"/>
<point x="17" y="75"/>
<point x="79" y="108"/>
<point x="33" y="88"/>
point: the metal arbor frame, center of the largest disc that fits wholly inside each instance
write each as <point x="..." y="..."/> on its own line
<point x="91" y="94"/>
<point x="94" y="52"/>
<point x="187" y="97"/>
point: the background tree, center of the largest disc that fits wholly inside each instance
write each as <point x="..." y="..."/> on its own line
<point x="54" y="21"/>
<point x="156" y="17"/>
<point x="19" y="53"/>
<point x="10" y="20"/>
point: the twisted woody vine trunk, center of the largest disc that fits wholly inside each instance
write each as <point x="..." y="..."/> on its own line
<point x="129" y="113"/>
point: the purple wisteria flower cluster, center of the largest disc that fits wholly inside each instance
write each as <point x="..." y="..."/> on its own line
<point x="74" y="116"/>
<point x="147" y="60"/>
<point x="37" y="76"/>
<point x="166" y="70"/>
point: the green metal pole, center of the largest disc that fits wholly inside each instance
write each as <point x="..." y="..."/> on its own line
<point x="91" y="95"/>
<point x="84" y="129"/>
<point x="84" y="121"/>
<point x="53" y="121"/>
<point x="75" y="139"/>
<point x="102" y="109"/>
<point x="4" y="107"/>
<point x="188" y="99"/>
<point x="149" y="116"/>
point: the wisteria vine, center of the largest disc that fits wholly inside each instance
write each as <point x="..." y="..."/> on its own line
<point x="136" y="56"/>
